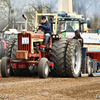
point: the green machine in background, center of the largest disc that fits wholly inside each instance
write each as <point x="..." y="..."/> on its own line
<point x="70" y="23"/>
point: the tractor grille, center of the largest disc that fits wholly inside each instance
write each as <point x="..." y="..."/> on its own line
<point x="21" y="46"/>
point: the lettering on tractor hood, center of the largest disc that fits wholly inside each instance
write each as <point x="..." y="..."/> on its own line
<point x="93" y="38"/>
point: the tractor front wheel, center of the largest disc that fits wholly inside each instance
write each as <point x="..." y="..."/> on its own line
<point x="5" y="67"/>
<point x="43" y="68"/>
<point x="88" y="66"/>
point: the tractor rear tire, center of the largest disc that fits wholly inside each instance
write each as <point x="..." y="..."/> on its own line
<point x="14" y="49"/>
<point x="9" y="47"/>
<point x="8" y="51"/>
<point x="43" y="68"/>
<point x="2" y="51"/>
<point x="5" y="62"/>
<point x="73" y="58"/>
<point x="57" y="55"/>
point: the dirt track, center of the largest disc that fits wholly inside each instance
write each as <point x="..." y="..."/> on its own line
<point x="33" y="88"/>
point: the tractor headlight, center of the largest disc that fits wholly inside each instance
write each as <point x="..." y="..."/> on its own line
<point x="57" y="36"/>
<point x="53" y="36"/>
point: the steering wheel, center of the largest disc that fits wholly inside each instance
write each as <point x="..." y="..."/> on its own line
<point x="40" y="28"/>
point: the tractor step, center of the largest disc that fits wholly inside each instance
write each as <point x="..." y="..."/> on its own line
<point x="93" y="74"/>
<point x="84" y="75"/>
<point x="96" y="74"/>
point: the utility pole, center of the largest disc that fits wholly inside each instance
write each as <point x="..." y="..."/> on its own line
<point x="9" y="14"/>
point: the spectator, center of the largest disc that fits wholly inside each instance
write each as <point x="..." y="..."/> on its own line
<point x="77" y="36"/>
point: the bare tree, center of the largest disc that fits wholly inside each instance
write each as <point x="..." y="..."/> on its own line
<point x="8" y="11"/>
<point x="95" y="22"/>
<point x="39" y="6"/>
<point x="4" y="9"/>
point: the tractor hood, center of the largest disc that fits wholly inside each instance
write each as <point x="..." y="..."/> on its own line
<point x="26" y="40"/>
<point x="36" y="37"/>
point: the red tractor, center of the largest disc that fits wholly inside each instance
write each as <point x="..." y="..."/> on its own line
<point x="7" y="39"/>
<point x="61" y="56"/>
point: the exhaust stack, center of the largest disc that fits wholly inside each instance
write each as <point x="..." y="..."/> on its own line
<point x="25" y="21"/>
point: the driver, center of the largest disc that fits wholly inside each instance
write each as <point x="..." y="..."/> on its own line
<point x="46" y="27"/>
<point x="69" y="27"/>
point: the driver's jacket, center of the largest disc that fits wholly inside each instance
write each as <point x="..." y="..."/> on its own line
<point x="46" y="27"/>
<point x="79" y="38"/>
